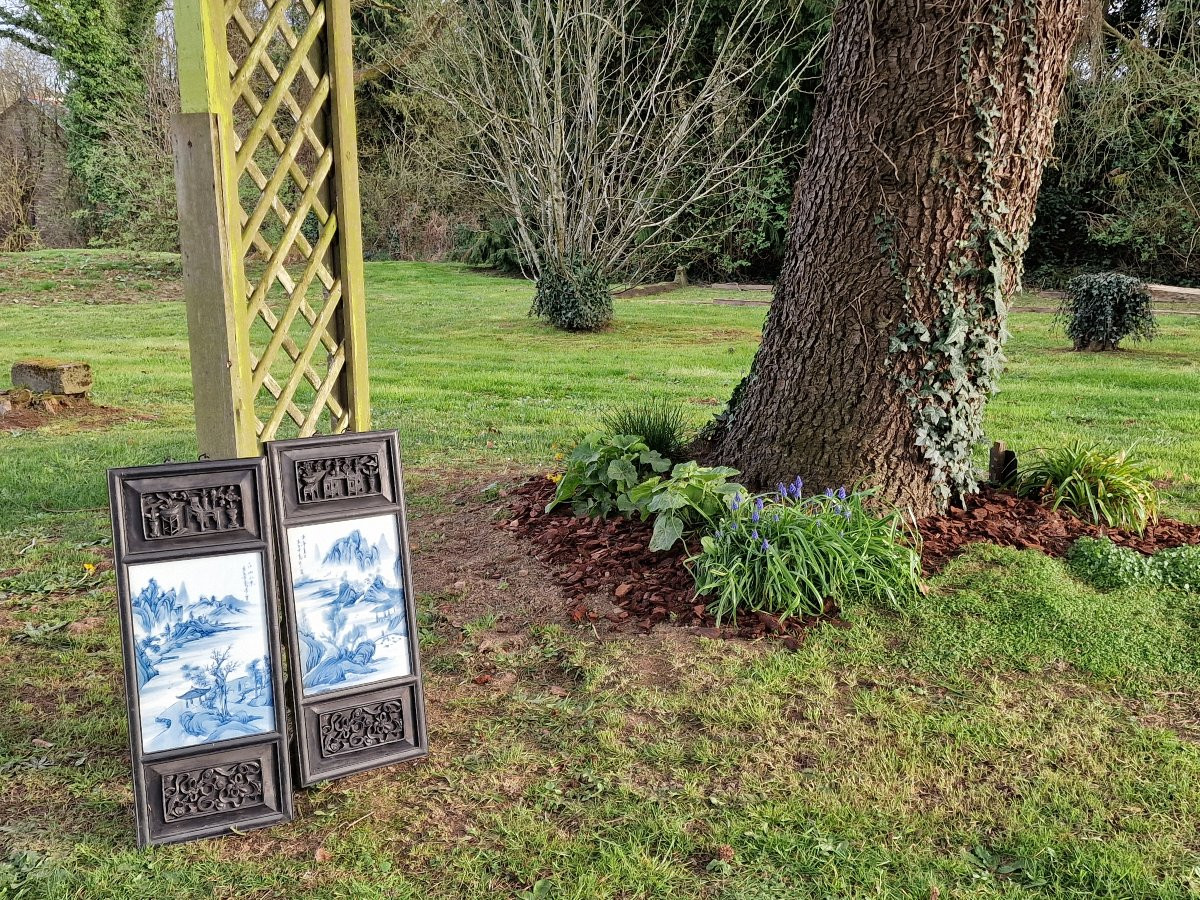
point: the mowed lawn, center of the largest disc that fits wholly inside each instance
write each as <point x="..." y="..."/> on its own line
<point x="1016" y="734"/>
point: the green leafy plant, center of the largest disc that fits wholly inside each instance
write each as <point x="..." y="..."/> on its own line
<point x="662" y="424"/>
<point x="1101" y="310"/>
<point x="787" y="555"/>
<point x="1111" y="489"/>
<point x="1179" y="568"/>
<point x="602" y="470"/>
<point x="693" y="497"/>
<point x="1104" y="565"/>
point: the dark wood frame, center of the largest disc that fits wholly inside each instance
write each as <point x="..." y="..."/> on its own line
<point x="395" y="707"/>
<point x="257" y="761"/>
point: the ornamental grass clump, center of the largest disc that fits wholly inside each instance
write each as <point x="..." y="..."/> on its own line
<point x="788" y="555"/>
<point x="662" y="424"/>
<point x="1112" y="489"/>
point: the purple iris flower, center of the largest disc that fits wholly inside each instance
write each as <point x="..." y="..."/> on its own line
<point x="846" y="512"/>
<point x="783" y="491"/>
<point x="758" y="503"/>
<point x="754" y="517"/>
<point x="799" y="483"/>
<point x="776" y="517"/>
<point x="737" y="501"/>
<point x="841" y="494"/>
<point x="766" y="544"/>
<point x="754" y="534"/>
<point x="828" y="492"/>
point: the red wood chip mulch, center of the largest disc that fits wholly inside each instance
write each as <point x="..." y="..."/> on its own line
<point x="595" y="555"/>
<point x="998" y="517"/>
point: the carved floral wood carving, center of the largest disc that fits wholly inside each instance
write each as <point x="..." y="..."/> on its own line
<point x="362" y="727"/>
<point x="212" y="790"/>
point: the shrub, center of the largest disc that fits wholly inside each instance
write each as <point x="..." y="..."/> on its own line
<point x="1110" y="489"/>
<point x="1104" y="565"/>
<point x="602" y="470"/>
<point x="1179" y="568"/>
<point x="788" y="555"/>
<point x="573" y="300"/>
<point x="694" y="496"/>
<point x="661" y="423"/>
<point x="1101" y="310"/>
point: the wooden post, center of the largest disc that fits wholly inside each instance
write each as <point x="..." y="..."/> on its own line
<point x="349" y="252"/>
<point x="213" y="277"/>
<point x="296" y="60"/>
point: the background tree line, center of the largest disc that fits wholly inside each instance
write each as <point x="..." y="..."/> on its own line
<point x="1123" y="191"/>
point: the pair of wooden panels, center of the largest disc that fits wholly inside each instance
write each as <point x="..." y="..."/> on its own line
<point x="207" y="554"/>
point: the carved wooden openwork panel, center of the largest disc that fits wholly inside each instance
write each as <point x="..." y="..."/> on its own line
<point x="199" y="626"/>
<point x="347" y="592"/>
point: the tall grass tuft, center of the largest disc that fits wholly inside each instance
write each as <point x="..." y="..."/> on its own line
<point x="789" y="555"/>
<point x="661" y="424"/>
<point x="1112" y="489"/>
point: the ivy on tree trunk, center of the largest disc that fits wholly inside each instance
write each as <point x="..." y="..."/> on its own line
<point x="909" y="221"/>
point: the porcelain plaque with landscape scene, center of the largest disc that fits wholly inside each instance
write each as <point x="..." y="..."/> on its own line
<point x="348" y="589"/>
<point x="202" y="652"/>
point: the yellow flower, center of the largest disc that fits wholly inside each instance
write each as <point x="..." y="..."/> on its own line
<point x="89" y="568"/>
<point x="556" y="477"/>
<point x="559" y="457"/>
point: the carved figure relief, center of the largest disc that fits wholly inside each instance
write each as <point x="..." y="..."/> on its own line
<point x="212" y="790"/>
<point x="338" y="478"/>
<point x="362" y="727"/>
<point x="209" y="510"/>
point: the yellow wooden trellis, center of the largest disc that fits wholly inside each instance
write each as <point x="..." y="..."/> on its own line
<point x="267" y="173"/>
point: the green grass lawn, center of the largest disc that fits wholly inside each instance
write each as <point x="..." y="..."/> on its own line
<point x="1017" y="734"/>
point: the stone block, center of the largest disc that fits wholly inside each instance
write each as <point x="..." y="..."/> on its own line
<point x="48" y="376"/>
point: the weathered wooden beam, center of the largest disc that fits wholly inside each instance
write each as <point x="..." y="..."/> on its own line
<point x="213" y="278"/>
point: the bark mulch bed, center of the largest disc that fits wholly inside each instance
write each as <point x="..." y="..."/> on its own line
<point x="999" y="517"/>
<point x="648" y="587"/>
<point x="594" y="555"/>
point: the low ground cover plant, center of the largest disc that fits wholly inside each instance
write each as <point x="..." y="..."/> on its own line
<point x="787" y="555"/>
<point x="1101" y="310"/>
<point x="662" y="424"/>
<point x="602" y="470"/>
<point x="1113" y="489"/>
<point x="1106" y="566"/>
<point x="693" y="497"/>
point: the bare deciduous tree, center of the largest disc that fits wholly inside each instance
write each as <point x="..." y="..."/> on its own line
<point x="592" y="133"/>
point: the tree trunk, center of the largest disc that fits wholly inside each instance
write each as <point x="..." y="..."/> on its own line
<point x="910" y="218"/>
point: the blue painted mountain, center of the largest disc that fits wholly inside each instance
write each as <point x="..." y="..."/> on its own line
<point x="353" y="550"/>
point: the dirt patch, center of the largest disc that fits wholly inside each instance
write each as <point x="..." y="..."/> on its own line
<point x="42" y="410"/>
<point x="999" y="517"/>
<point x="591" y="557"/>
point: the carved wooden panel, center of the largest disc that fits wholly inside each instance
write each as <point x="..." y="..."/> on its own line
<point x="211" y="790"/>
<point x="196" y="591"/>
<point x="337" y="478"/>
<point x="361" y="727"/>
<point x="168" y="514"/>
<point x="348" y="600"/>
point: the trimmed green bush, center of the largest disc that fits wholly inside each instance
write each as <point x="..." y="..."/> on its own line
<point x="575" y="299"/>
<point x="787" y="555"/>
<point x="1111" y="489"/>
<point x="1102" y="310"/>
<point x="662" y="424"/>
<point x="602" y="470"/>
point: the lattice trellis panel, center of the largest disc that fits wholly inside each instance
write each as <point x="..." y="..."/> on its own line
<point x="277" y="112"/>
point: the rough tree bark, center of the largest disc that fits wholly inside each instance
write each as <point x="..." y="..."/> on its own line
<point x="908" y="225"/>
